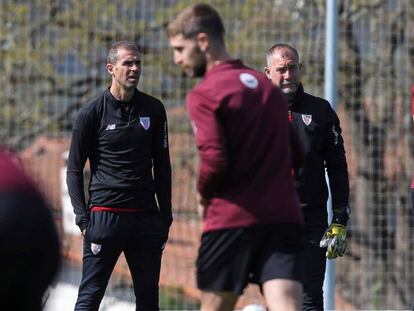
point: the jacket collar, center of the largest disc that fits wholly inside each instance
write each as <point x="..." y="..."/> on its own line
<point x="118" y="103"/>
<point x="298" y="97"/>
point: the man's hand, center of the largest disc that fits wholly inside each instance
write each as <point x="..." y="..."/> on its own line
<point x="334" y="239"/>
<point x="82" y="223"/>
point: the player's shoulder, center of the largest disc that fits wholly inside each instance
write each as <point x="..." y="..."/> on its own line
<point x="149" y="100"/>
<point x="150" y="103"/>
<point x="13" y="175"/>
<point x="231" y="77"/>
<point x="91" y="112"/>
<point x="252" y="78"/>
<point x="93" y="105"/>
<point x="316" y="103"/>
<point x="319" y="108"/>
<point x="237" y="71"/>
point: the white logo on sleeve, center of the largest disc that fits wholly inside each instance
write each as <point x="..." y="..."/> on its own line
<point x="307" y="119"/>
<point x="111" y="127"/>
<point x="336" y="135"/>
<point x="165" y="144"/>
<point x="145" y="122"/>
<point x="96" y="248"/>
<point x="249" y="80"/>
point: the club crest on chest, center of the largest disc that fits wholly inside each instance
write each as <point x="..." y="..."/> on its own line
<point x="307" y="119"/>
<point x="145" y="122"/>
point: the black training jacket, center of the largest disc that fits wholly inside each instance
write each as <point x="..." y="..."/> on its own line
<point x="127" y="147"/>
<point x="317" y="126"/>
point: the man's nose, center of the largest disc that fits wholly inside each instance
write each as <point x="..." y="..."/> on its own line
<point x="287" y="75"/>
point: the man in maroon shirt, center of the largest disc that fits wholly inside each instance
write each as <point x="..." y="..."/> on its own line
<point x="30" y="250"/>
<point x="253" y="225"/>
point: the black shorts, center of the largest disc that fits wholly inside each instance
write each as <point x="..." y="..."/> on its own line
<point x="229" y="259"/>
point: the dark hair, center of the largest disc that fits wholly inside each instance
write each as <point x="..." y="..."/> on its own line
<point x="195" y="19"/>
<point x="279" y="47"/>
<point x="120" y="45"/>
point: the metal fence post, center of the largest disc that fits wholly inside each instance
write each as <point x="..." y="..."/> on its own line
<point x="331" y="63"/>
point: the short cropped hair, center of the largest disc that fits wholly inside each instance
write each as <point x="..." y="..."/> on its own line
<point x="280" y="47"/>
<point x="121" y="45"/>
<point x="196" y="19"/>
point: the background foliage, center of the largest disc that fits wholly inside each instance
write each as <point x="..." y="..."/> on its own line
<point x="53" y="60"/>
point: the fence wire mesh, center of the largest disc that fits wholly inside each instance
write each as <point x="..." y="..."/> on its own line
<point x="53" y="56"/>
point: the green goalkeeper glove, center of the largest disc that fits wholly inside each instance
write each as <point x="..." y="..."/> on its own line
<point x="334" y="239"/>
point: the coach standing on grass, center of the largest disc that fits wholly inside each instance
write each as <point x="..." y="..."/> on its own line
<point x="253" y="224"/>
<point x="317" y="126"/>
<point x="123" y="133"/>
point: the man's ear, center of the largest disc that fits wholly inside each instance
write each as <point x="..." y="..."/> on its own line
<point x="267" y="72"/>
<point x="110" y="68"/>
<point x="203" y="41"/>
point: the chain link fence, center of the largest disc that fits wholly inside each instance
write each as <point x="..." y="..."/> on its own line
<point x="53" y="56"/>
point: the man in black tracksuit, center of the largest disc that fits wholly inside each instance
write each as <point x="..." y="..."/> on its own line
<point x="123" y="133"/>
<point x="317" y="126"/>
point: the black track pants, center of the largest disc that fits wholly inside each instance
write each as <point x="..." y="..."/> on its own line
<point x="140" y="237"/>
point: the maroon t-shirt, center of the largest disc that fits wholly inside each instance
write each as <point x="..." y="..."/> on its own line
<point x="241" y="129"/>
<point x="12" y="176"/>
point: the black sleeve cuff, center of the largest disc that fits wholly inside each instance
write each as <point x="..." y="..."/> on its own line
<point x="341" y="215"/>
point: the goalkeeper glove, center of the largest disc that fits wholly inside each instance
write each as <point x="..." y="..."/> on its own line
<point x="334" y="237"/>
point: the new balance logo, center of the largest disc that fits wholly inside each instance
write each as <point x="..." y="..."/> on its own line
<point x="110" y="127"/>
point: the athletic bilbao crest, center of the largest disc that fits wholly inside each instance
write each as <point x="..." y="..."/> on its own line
<point x="96" y="248"/>
<point x="307" y="119"/>
<point x="249" y="80"/>
<point x="145" y="122"/>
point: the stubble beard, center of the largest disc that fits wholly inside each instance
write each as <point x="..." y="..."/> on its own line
<point x="290" y="93"/>
<point x="199" y="71"/>
<point x="199" y="68"/>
